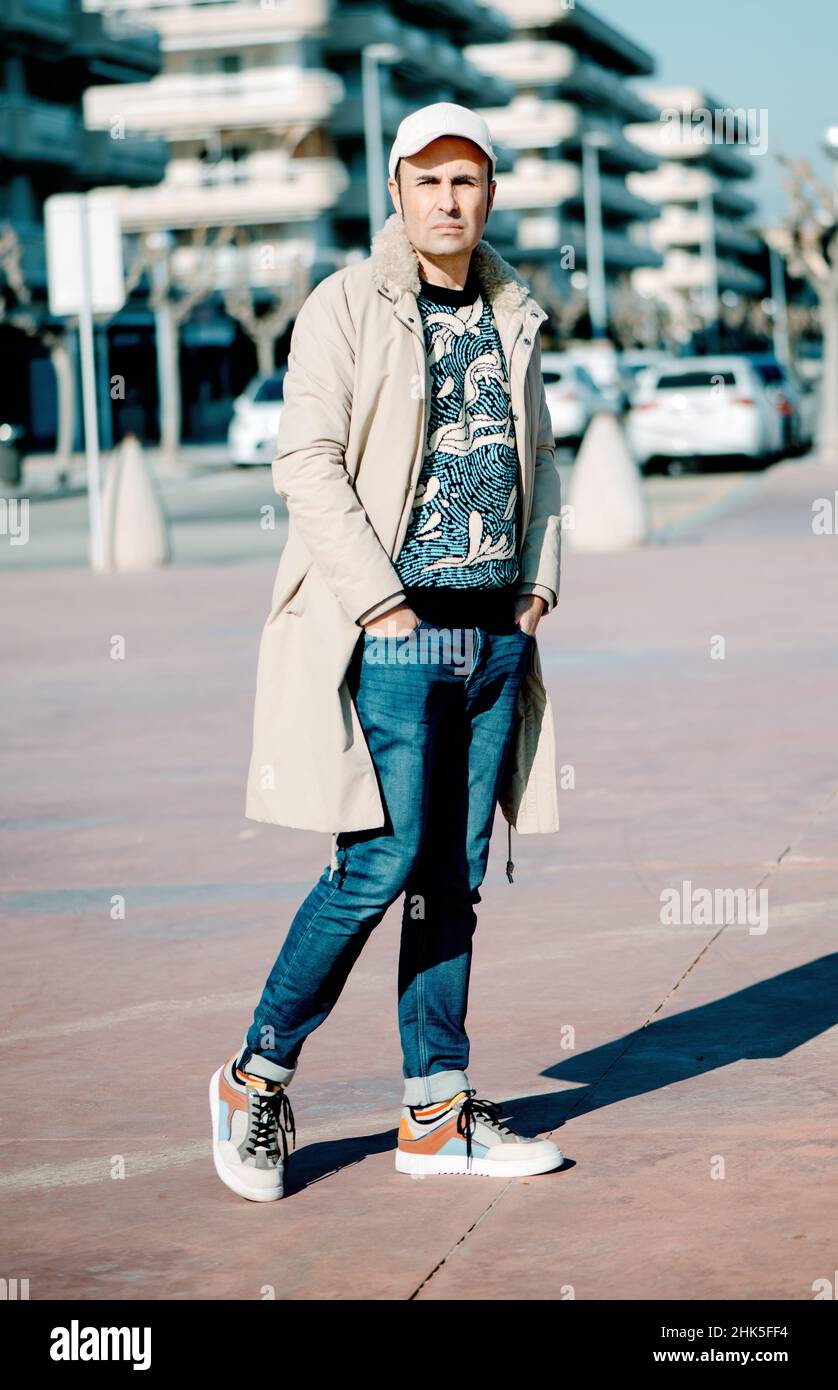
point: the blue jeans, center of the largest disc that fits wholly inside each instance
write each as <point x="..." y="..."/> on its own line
<point x="438" y="728"/>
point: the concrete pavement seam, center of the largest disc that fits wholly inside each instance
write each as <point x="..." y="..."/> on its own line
<point x="634" y="1036"/>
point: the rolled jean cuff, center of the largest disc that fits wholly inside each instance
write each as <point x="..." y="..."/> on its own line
<point x="260" y="1065"/>
<point x="441" y="1085"/>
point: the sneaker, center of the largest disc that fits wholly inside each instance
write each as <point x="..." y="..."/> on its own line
<point x="249" y="1116"/>
<point x="465" y="1135"/>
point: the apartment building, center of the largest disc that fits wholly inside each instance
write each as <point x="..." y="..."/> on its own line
<point x="572" y="75"/>
<point x="52" y="51"/>
<point x="262" y="104"/>
<point x="712" y="256"/>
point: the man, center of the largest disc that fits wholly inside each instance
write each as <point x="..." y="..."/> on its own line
<point x="399" y="692"/>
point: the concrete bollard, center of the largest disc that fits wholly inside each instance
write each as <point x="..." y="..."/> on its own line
<point x="136" y="536"/>
<point x="606" y="499"/>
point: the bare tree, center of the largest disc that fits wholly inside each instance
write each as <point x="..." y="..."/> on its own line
<point x="565" y="313"/>
<point x="810" y="246"/>
<point x="266" y="325"/>
<point x="30" y="319"/>
<point x="173" y="293"/>
<point x="637" y="321"/>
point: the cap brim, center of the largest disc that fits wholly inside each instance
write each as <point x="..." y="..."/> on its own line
<point x="436" y="135"/>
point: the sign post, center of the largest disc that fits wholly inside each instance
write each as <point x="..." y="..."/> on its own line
<point x="85" y="277"/>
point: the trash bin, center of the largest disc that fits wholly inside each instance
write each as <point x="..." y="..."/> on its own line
<point x="11" y="456"/>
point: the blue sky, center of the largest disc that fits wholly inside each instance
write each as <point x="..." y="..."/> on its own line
<point x="778" y="58"/>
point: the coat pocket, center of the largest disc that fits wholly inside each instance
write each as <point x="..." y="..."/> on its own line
<point x="295" y="605"/>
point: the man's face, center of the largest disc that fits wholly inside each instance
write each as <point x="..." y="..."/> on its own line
<point x="444" y="196"/>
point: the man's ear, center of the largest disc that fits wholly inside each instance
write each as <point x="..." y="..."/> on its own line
<point x="395" y="196"/>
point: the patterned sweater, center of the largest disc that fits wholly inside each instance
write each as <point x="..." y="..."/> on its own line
<point x="458" y="561"/>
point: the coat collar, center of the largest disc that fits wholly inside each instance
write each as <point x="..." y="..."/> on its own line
<point x="394" y="263"/>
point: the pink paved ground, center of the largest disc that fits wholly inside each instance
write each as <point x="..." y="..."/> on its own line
<point x="687" y="1071"/>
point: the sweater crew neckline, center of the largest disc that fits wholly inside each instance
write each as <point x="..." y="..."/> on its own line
<point x="441" y="294"/>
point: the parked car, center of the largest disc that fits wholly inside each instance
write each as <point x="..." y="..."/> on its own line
<point x="571" y="394"/>
<point x="809" y="361"/>
<point x="701" y="407"/>
<point x="635" y="360"/>
<point x="251" y="437"/>
<point x="786" y="395"/>
<point x="600" y="361"/>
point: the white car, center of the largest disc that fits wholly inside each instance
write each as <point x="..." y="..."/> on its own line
<point x="700" y="407"/>
<point x="636" y="360"/>
<point x="571" y="395"/>
<point x="251" y="438"/>
<point x="600" y="361"/>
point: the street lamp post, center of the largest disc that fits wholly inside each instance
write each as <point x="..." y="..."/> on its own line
<point x="166" y="343"/>
<point x="371" y="56"/>
<point x="592" y="142"/>
<point x="711" y="281"/>
<point x="779" y="318"/>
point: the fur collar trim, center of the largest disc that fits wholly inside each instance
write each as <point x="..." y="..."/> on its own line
<point x="394" y="260"/>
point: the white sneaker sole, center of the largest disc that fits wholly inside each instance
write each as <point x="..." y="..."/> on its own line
<point x="227" y="1174"/>
<point x="422" y="1165"/>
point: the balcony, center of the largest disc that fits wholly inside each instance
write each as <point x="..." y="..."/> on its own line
<point x="357" y="27"/>
<point x="50" y="22"/>
<point x="38" y="132"/>
<point x="685" y="272"/>
<point x="539" y="183"/>
<point x="561" y="72"/>
<point x="292" y="190"/>
<point x="347" y="119"/>
<point x="682" y="183"/>
<point x="193" y="104"/>
<point x="115" y="49"/>
<point x="470" y="21"/>
<point x="577" y="27"/>
<point x="591" y="85"/>
<point x="131" y="160"/>
<point x="421" y="54"/>
<point x="680" y="228"/>
<point x="620" y="251"/>
<point x="673" y="142"/>
<point x="620" y="156"/>
<point x="222" y="23"/>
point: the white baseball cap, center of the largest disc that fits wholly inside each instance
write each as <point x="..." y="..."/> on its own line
<point x="440" y="118"/>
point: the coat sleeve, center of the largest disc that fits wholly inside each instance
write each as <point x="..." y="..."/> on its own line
<point x="541" y="554"/>
<point x="309" y="469"/>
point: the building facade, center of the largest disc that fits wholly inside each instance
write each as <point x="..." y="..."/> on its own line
<point x="52" y="51"/>
<point x="266" y="189"/>
<point x="712" y="256"/>
<point x="572" y="76"/>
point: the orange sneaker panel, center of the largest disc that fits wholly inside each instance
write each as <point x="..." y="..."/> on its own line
<point x="234" y="1099"/>
<point x="433" y="1142"/>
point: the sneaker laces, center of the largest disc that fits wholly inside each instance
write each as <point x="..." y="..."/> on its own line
<point x="474" y="1109"/>
<point x="273" y="1118"/>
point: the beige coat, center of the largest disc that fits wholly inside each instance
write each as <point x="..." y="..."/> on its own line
<point x="350" y="449"/>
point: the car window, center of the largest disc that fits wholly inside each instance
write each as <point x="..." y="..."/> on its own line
<point x="771" y="372"/>
<point x="271" y="389"/>
<point x="684" y="381"/>
<point x="586" y="379"/>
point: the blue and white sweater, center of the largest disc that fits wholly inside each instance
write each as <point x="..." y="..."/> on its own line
<point x="459" y="550"/>
<point x="461" y="533"/>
